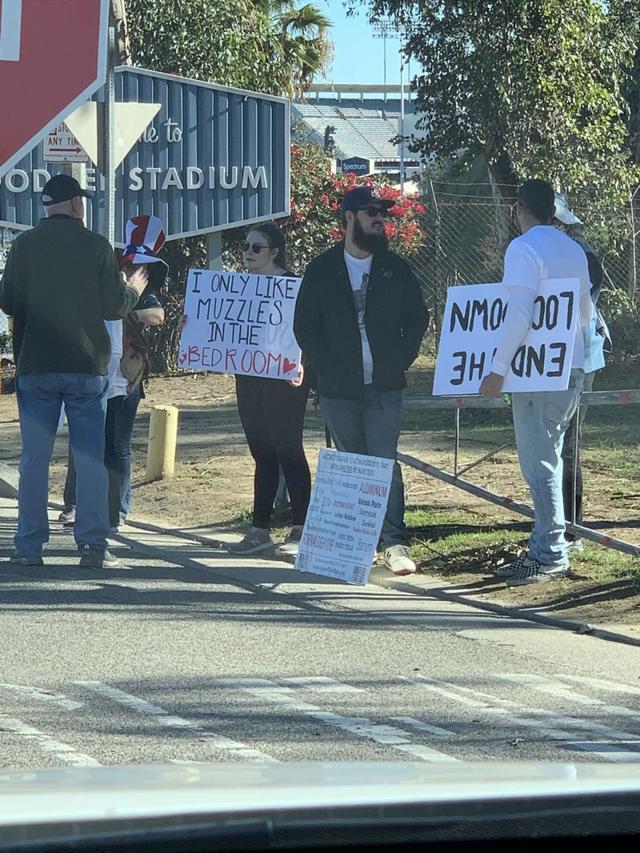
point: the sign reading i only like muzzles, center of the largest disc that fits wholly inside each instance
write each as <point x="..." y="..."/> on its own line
<point x="473" y="319"/>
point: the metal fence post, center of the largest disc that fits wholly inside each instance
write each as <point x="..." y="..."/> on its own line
<point x="109" y="143"/>
<point x="436" y="251"/>
<point x="576" y="460"/>
<point x="456" y="451"/>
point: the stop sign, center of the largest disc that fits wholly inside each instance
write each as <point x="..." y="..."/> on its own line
<point x="52" y="59"/>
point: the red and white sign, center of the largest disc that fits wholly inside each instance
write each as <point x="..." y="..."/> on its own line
<point x="61" y="146"/>
<point x="53" y="57"/>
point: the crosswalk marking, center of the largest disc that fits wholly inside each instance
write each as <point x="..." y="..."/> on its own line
<point x="42" y="695"/>
<point x="603" y="684"/>
<point x="409" y="736"/>
<point x="504" y="708"/>
<point x="164" y="718"/>
<point x="321" y="682"/>
<point x="63" y="751"/>
<point x="361" y="727"/>
<point x="562" y="691"/>
<point x="424" y="727"/>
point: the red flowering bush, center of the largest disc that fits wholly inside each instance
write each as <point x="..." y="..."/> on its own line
<point x="314" y="223"/>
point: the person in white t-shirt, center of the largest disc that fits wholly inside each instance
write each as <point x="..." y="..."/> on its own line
<point x="540" y="418"/>
<point x="360" y="319"/>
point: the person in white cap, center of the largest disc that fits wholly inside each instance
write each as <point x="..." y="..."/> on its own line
<point x="595" y="336"/>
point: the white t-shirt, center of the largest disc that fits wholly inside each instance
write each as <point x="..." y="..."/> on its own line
<point x="117" y="381"/>
<point x="543" y="252"/>
<point x="359" y="270"/>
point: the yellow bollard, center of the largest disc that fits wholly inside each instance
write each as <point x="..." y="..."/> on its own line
<point x="163" y="435"/>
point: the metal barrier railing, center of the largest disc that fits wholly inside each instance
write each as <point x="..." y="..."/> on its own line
<point x="591" y="398"/>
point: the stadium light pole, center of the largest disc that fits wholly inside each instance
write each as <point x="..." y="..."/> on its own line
<point x="383" y="29"/>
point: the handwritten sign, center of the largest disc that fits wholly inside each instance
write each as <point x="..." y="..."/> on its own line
<point x="348" y="505"/>
<point x="240" y="323"/>
<point x="471" y="329"/>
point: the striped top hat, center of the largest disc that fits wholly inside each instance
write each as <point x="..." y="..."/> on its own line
<point x="144" y="237"/>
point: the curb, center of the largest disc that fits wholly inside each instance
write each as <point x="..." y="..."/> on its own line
<point x="519" y="613"/>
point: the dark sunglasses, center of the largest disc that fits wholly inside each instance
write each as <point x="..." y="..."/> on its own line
<point x="256" y="248"/>
<point x="372" y="211"/>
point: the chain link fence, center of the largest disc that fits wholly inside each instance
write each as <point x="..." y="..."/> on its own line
<point x="467" y="231"/>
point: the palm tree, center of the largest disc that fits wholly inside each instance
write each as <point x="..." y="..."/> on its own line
<point x="303" y="34"/>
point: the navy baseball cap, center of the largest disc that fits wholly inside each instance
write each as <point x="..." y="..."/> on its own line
<point x="364" y="196"/>
<point x="62" y="188"/>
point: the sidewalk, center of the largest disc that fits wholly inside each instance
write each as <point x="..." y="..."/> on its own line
<point x="433" y="601"/>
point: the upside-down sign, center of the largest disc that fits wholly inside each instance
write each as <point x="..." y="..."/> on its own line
<point x="240" y="323"/>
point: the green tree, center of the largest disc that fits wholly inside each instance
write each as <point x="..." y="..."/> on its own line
<point x="303" y="35"/>
<point x="534" y="86"/>
<point x="230" y="43"/>
<point x="269" y="46"/>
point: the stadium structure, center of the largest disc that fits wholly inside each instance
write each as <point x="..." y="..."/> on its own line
<point x="360" y="126"/>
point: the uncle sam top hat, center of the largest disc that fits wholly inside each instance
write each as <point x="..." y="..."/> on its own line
<point x="144" y="237"/>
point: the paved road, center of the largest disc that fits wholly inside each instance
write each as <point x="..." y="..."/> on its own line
<point x="191" y="655"/>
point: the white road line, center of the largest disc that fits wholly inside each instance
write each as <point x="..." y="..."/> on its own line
<point x="603" y="684"/>
<point x="505" y="708"/>
<point x="570" y="722"/>
<point x="42" y="695"/>
<point x="164" y="718"/>
<point x="424" y="727"/>
<point x="362" y="727"/>
<point x="321" y="682"/>
<point x="63" y="751"/>
<point x="562" y="691"/>
<point x="610" y="750"/>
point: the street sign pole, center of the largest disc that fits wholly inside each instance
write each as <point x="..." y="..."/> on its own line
<point x="110" y="143"/>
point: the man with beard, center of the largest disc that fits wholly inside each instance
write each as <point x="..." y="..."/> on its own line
<point x="360" y="319"/>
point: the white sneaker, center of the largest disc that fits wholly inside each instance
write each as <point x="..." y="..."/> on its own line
<point x="255" y="540"/>
<point x="396" y="558"/>
<point x="289" y="547"/>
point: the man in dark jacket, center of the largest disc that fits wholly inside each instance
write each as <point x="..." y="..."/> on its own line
<point x="360" y="319"/>
<point x="60" y="283"/>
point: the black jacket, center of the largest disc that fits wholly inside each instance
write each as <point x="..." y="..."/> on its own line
<point x="60" y="284"/>
<point x="326" y="327"/>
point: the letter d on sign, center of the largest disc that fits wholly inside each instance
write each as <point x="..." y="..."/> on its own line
<point x="10" y="27"/>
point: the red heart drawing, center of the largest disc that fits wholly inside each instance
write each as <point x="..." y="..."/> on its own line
<point x="289" y="365"/>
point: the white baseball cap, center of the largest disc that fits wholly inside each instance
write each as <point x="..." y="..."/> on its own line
<point x="563" y="212"/>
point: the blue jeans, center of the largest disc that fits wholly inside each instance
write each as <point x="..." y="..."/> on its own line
<point x="372" y="426"/>
<point x="40" y="398"/>
<point x="541" y="420"/>
<point x="121" y="414"/>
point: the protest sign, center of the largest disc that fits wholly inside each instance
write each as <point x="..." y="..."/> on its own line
<point x="348" y="505"/>
<point x="240" y="323"/>
<point x="471" y="328"/>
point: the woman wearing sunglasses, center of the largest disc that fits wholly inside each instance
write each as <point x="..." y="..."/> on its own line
<point x="272" y="415"/>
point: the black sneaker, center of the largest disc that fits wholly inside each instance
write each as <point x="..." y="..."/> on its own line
<point x="93" y="558"/>
<point x="535" y="572"/>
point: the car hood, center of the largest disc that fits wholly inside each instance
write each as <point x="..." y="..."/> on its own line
<point x="154" y="791"/>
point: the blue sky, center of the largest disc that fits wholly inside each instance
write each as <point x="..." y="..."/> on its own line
<point x="359" y="58"/>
